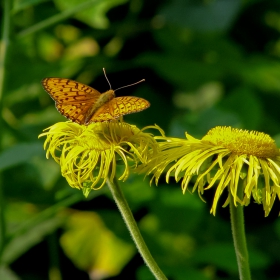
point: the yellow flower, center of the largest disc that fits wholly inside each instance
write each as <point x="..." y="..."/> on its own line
<point x="246" y="163"/>
<point x="88" y="155"/>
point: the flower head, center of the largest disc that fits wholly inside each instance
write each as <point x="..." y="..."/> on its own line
<point x="246" y="163"/>
<point x="88" y="155"/>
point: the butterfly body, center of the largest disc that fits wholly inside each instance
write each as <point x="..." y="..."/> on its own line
<point x="83" y="104"/>
<point x="102" y="100"/>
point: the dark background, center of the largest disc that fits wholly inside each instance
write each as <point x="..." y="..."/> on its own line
<point x="206" y="63"/>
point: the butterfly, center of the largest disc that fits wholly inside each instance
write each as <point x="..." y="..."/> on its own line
<point x="83" y="104"/>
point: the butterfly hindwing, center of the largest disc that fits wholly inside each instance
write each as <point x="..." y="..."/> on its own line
<point x="120" y="106"/>
<point x="83" y="104"/>
<point x="124" y="105"/>
<point x="73" y="112"/>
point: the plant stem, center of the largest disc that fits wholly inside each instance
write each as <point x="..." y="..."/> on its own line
<point x="59" y="17"/>
<point x="133" y="229"/>
<point x="3" y="56"/>
<point x="239" y="239"/>
<point x="4" y="44"/>
<point x="2" y="222"/>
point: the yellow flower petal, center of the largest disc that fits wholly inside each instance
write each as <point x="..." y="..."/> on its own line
<point x="225" y="158"/>
<point x="88" y="155"/>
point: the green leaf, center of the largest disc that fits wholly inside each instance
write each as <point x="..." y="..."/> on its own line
<point x="92" y="247"/>
<point x="18" y="154"/>
<point x="94" y="16"/>
<point x="22" y="243"/>
<point x="244" y="102"/>
<point x="180" y="71"/>
<point x="23" y="4"/>
<point x="7" y="274"/>
<point x="202" y="15"/>
<point x="143" y="273"/>
<point x="262" y="73"/>
<point x="215" y="254"/>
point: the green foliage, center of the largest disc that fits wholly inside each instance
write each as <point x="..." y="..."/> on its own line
<point x="206" y="63"/>
<point x="92" y="247"/>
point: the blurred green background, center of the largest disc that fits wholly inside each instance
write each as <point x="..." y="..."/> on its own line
<point x="206" y="63"/>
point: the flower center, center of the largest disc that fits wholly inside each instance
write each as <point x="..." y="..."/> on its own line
<point x="105" y="136"/>
<point x="242" y="142"/>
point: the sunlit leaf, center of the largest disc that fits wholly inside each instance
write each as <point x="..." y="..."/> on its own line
<point x="7" y="274"/>
<point x="93" y="247"/>
<point x="23" y="4"/>
<point x="95" y="16"/>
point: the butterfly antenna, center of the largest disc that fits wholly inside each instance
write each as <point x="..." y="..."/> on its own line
<point x="107" y="78"/>
<point x="143" y="80"/>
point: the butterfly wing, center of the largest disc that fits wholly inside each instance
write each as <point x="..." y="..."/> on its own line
<point x="75" y="113"/>
<point x="119" y="106"/>
<point x="72" y="99"/>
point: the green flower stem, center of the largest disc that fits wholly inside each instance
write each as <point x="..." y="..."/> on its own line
<point x="3" y="57"/>
<point x="133" y="229"/>
<point x="239" y="240"/>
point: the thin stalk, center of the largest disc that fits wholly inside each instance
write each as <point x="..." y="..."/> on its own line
<point x="2" y="222"/>
<point x="239" y="239"/>
<point x="3" y="57"/>
<point x="54" y="266"/>
<point x="134" y="230"/>
<point x="46" y="214"/>
<point x="58" y="18"/>
<point x="4" y="44"/>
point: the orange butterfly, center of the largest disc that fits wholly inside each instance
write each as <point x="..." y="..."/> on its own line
<point x="83" y="104"/>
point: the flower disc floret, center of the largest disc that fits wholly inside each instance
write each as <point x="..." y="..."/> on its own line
<point x="242" y="142"/>
<point x="246" y="163"/>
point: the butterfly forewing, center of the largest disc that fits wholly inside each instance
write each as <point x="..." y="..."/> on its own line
<point x="72" y="99"/>
<point x="68" y="91"/>
<point x="83" y="104"/>
<point x="103" y="114"/>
